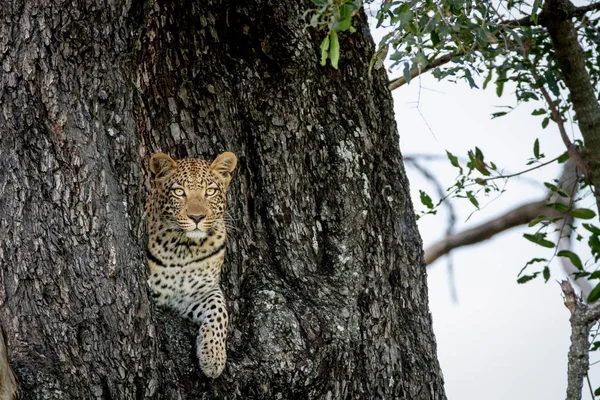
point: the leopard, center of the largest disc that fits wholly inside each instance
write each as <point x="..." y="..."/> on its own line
<point x="187" y="239"/>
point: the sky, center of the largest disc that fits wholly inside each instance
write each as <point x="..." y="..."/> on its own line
<point x="500" y="339"/>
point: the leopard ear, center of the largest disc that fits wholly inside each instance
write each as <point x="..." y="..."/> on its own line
<point x="161" y="165"/>
<point x="224" y="165"/>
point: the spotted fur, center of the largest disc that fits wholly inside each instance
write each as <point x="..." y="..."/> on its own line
<point x="186" y="246"/>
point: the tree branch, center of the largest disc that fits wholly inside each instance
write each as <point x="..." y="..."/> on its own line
<point x="574" y="12"/>
<point x="518" y="216"/>
<point x="396" y="83"/>
<point x="583" y="316"/>
<point x="571" y="59"/>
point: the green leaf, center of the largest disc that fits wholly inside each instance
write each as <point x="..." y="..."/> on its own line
<point x="594" y="294"/>
<point x="500" y="83"/>
<point x="558" y="207"/>
<point x="334" y="49"/>
<point x="545" y="122"/>
<point x="595" y="275"/>
<point x="535" y="7"/>
<point x="324" y="50"/>
<point x="571" y="256"/>
<point x="536" y="221"/>
<point x="536" y="148"/>
<point x="345" y="20"/>
<point x="564" y="157"/>
<point x="546" y="274"/>
<point x="406" y="72"/>
<point x="540" y="239"/>
<point x="539" y="111"/>
<point x="487" y="80"/>
<point x="530" y="262"/>
<point x="594" y="243"/>
<point x="454" y="161"/>
<point x="582" y="213"/>
<point x="470" y="79"/>
<point x="472" y="199"/>
<point x="435" y="38"/>
<point x="551" y="81"/>
<point x="597" y="391"/>
<point x="426" y="200"/>
<point x="527" y="278"/>
<point x="592" y="228"/>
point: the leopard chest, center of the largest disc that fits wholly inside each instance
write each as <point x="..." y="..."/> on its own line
<point x="180" y="274"/>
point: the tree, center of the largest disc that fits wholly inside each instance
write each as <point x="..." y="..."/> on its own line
<point x="549" y="49"/>
<point x="324" y="274"/>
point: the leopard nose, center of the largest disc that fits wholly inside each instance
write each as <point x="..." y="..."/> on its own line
<point x="196" y="218"/>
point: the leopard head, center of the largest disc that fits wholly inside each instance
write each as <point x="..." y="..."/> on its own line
<point x="190" y="194"/>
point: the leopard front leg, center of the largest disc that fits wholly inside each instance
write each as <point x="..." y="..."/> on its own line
<point x="210" y="312"/>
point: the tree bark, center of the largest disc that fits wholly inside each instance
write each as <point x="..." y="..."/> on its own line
<point x="324" y="274"/>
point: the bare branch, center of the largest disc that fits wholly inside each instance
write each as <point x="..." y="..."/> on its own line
<point x="583" y="316"/>
<point x="519" y="216"/>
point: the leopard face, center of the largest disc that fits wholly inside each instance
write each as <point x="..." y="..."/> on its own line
<point x="190" y="194"/>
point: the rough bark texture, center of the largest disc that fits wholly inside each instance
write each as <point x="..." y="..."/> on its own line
<point x="583" y="317"/>
<point x="324" y="273"/>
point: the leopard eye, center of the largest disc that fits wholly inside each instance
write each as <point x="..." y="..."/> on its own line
<point x="179" y="192"/>
<point x="211" y="191"/>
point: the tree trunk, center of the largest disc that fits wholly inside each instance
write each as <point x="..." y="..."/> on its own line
<point x="324" y="274"/>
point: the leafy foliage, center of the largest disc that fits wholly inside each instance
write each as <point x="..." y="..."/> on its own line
<point x="334" y="16"/>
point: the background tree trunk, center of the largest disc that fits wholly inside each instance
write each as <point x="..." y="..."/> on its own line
<point x="324" y="273"/>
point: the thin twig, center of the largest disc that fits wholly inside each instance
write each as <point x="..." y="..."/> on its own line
<point x="587" y="378"/>
<point x="522" y="172"/>
<point x="571" y="148"/>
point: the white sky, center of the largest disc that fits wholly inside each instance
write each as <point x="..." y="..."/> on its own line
<point x="501" y="340"/>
